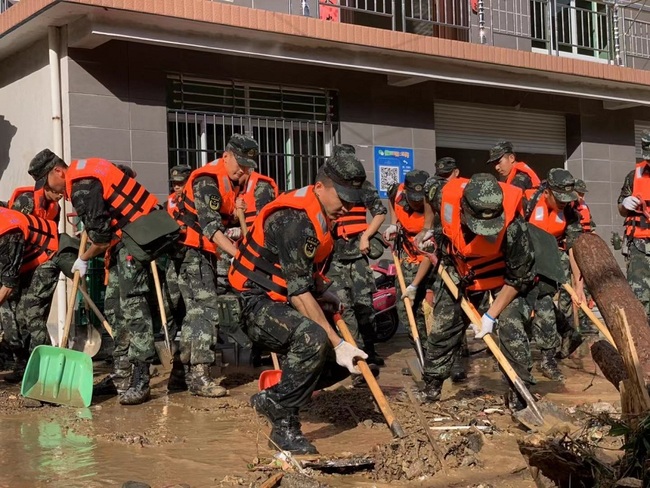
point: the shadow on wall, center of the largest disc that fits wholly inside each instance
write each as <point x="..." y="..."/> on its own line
<point x="7" y="133"/>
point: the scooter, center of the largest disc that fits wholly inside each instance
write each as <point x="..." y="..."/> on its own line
<point x="384" y="300"/>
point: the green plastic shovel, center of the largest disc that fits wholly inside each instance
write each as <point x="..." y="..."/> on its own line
<point x="60" y="375"/>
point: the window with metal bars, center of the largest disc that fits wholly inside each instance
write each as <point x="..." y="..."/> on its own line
<point x="294" y="127"/>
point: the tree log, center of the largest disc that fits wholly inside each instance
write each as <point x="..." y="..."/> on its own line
<point x="609" y="361"/>
<point x="609" y="288"/>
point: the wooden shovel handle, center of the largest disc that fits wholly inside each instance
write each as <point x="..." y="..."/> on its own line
<point x="242" y="222"/>
<point x="276" y="363"/>
<point x="392" y="422"/>
<point x="599" y="325"/>
<point x="161" y="305"/>
<point x="96" y="311"/>
<point x="73" y="295"/>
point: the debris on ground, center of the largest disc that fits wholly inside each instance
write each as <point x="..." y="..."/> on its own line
<point x="334" y="406"/>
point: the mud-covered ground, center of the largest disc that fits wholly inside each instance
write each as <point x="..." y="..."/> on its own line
<point x="180" y="440"/>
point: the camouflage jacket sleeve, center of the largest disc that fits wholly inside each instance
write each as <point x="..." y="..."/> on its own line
<point x="207" y="200"/>
<point x="264" y="194"/>
<point x="12" y="247"/>
<point x="88" y="201"/>
<point x="291" y="235"/>
<point x="372" y="201"/>
<point x="24" y="203"/>
<point x="392" y="193"/>
<point x="573" y="226"/>
<point x="519" y="255"/>
<point x="626" y="189"/>
<point x="522" y="180"/>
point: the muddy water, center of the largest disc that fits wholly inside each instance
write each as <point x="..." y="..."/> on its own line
<point x="209" y="442"/>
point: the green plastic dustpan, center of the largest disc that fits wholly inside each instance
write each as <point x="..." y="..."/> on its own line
<point x="58" y="375"/>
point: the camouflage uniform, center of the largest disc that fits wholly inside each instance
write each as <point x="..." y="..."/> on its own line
<point x="353" y="280"/>
<point x="450" y="322"/>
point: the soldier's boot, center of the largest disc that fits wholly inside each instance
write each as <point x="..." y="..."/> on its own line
<point x="570" y="342"/>
<point x="116" y="382"/>
<point x="286" y="430"/>
<point x="548" y="366"/>
<point x="16" y="375"/>
<point x="513" y="401"/>
<point x="199" y="383"/>
<point x="431" y="391"/>
<point x="138" y="391"/>
<point x="373" y="357"/>
<point x="178" y="376"/>
<point x="458" y="374"/>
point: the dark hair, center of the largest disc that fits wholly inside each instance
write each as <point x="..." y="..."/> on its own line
<point x="321" y="177"/>
<point x="127" y="170"/>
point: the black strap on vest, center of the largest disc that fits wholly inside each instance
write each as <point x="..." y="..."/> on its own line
<point x="117" y="211"/>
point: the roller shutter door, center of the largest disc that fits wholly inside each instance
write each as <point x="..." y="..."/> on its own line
<point x="480" y="127"/>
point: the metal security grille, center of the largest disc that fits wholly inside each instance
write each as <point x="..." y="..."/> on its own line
<point x="295" y="128"/>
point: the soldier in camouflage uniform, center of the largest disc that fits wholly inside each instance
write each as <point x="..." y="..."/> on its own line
<point x="277" y="271"/>
<point x="511" y="171"/>
<point x="350" y="273"/>
<point x="548" y="209"/>
<point x="93" y="185"/>
<point x="634" y="192"/>
<point x="483" y="215"/>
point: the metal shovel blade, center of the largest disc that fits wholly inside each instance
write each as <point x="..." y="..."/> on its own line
<point x="87" y="339"/>
<point x="554" y="419"/>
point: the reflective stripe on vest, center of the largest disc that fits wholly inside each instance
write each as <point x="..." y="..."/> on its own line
<point x="255" y="263"/>
<point x="249" y="195"/>
<point x="524" y="168"/>
<point x="636" y="225"/>
<point x="352" y="223"/>
<point x="546" y="219"/>
<point x="43" y="208"/>
<point x="480" y="261"/>
<point x="41" y="236"/>
<point x="128" y="200"/>
<point x="411" y="223"/>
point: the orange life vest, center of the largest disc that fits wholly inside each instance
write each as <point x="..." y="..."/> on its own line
<point x="585" y="214"/>
<point x="411" y="223"/>
<point x="191" y="235"/>
<point x="541" y="216"/>
<point x="523" y="168"/>
<point x="481" y="260"/>
<point x="43" y="208"/>
<point x="636" y="225"/>
<point x="249" y="195"/>
<point x="128" y="200"/>
<point x="352" y="223"/>
<point x="256" y="263"/>
<point x="41" y="236"/>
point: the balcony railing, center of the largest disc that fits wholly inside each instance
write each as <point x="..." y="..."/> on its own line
<point x="5" y="4"/>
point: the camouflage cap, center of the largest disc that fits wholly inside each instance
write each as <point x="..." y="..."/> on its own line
<point x="499" y="150"/>
<point x="645" y="145"/>
<point x="562" y="184"/>
<point x="343" y="148"/>
<point x="41" y="165"/>
<point x="245" y="149"/>
<point x="414" y="182"/>
<point x="580" y="186"/>
<point x="482" y="205"/>
<point x="444" y="166"/>
<point x="348" y="175"/>
<point x="179" y="173"/>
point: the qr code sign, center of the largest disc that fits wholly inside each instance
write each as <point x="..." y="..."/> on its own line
<point x="388" y="175"/>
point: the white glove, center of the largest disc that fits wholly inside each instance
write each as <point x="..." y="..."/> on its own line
<point x="424" y="240"/>
<point x="233" y="233"/>
<point x="631" y="203"/>
<point x="487" y="325"/>
<point x="345" y="354"/>
<point x="81" y="266"/>
<point x="410" y="292"/>
<point x="389" y="233"/>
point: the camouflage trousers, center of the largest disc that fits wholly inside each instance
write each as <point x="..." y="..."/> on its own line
<point x="174" y="304"/>
<point x="24" y="315"/>
<point x="449" y="326"/>
<point x="354" y="284"/>
<point x="410" y="270"/>
<point x="196" y="280"/>
<point x="309" y="362"/>
<point x="128" y="305"/>
<point x="638" y="276"/>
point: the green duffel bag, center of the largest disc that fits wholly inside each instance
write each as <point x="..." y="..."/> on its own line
<point x="151" y="236"/>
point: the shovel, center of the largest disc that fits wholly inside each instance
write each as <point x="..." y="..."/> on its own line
<point x="270" y="377"/>
<point x="56" y="374"/>
<point x="87" y="338"/>
<point x="164" y="353"/>
<point x="382" y="403"/>
<point x="531" y="416"/>
<point x="602" y="328"/>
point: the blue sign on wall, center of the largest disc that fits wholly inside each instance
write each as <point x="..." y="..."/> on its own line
<point x="391" y="164"/>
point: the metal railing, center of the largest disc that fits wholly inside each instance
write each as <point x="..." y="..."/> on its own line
<point x="5" y="4"/>
<point x="635" y="33"/>
<point x="291" y="151"/>
<point x="371" y="13"/>
<point x="448" y="19"/>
